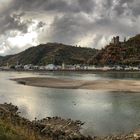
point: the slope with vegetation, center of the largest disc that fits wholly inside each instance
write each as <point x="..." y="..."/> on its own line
<point x="124" y="53"/>
<point x="50" y="53"/>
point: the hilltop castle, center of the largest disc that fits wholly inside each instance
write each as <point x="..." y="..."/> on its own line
<point x="115" y="40"/>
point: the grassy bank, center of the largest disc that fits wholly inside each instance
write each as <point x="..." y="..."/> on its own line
<point x="6" y="133"/>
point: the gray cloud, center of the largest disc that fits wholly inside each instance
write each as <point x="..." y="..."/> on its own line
<point x="12" y="22"/>
<point x="84" y="22"/>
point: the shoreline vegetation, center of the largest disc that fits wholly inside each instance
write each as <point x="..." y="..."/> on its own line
<point x="109" y="85"/>
<point x="54" y="128"/>
<point x="70" y="70"/>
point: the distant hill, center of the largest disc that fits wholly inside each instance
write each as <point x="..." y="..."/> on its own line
<point x="123" y="53"/>
<point x="50" y="53"/>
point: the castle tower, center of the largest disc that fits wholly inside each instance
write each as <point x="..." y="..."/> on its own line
<point x="115" y="40"/>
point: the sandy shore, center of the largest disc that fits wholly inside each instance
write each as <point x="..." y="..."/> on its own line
<point x="110" y="85"/>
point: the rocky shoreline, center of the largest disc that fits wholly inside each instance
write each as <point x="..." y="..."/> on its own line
<point x="54" y="128"/>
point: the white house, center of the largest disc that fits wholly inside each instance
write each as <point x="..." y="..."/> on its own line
<point x="28" y="67"/>
<point x="50" y="67"/>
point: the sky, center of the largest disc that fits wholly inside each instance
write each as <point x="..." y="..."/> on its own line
<point x="86" y="23"/>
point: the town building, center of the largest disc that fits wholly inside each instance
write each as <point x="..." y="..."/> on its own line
<point x="63" y="66"/>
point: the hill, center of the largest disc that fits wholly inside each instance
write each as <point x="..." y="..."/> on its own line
<point x="122" y="53"/>
<point x="50" y="53"/>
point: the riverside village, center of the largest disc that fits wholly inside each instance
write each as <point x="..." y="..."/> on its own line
<point x="115" y="42"/>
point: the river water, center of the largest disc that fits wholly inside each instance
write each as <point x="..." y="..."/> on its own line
<point x="104" y="113"/>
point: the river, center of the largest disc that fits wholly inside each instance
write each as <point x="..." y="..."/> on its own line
<point x="104" y="113"/>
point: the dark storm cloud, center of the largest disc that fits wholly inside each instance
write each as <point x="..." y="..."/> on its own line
<point x="63" y="6"/>
<point x="72" y="21"/>
<point x="12" y="22"/>
<point x="54" y="5"/>
<point x="67" y="28"/>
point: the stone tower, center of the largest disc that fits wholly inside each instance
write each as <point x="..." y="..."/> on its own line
<point x="115" y="40"/>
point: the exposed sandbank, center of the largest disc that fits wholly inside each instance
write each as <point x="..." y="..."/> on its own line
<point x="110" y="85"/>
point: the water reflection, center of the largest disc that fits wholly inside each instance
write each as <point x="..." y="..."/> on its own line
<point x="104" y="112"/>
<point x="122" y="75"/>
